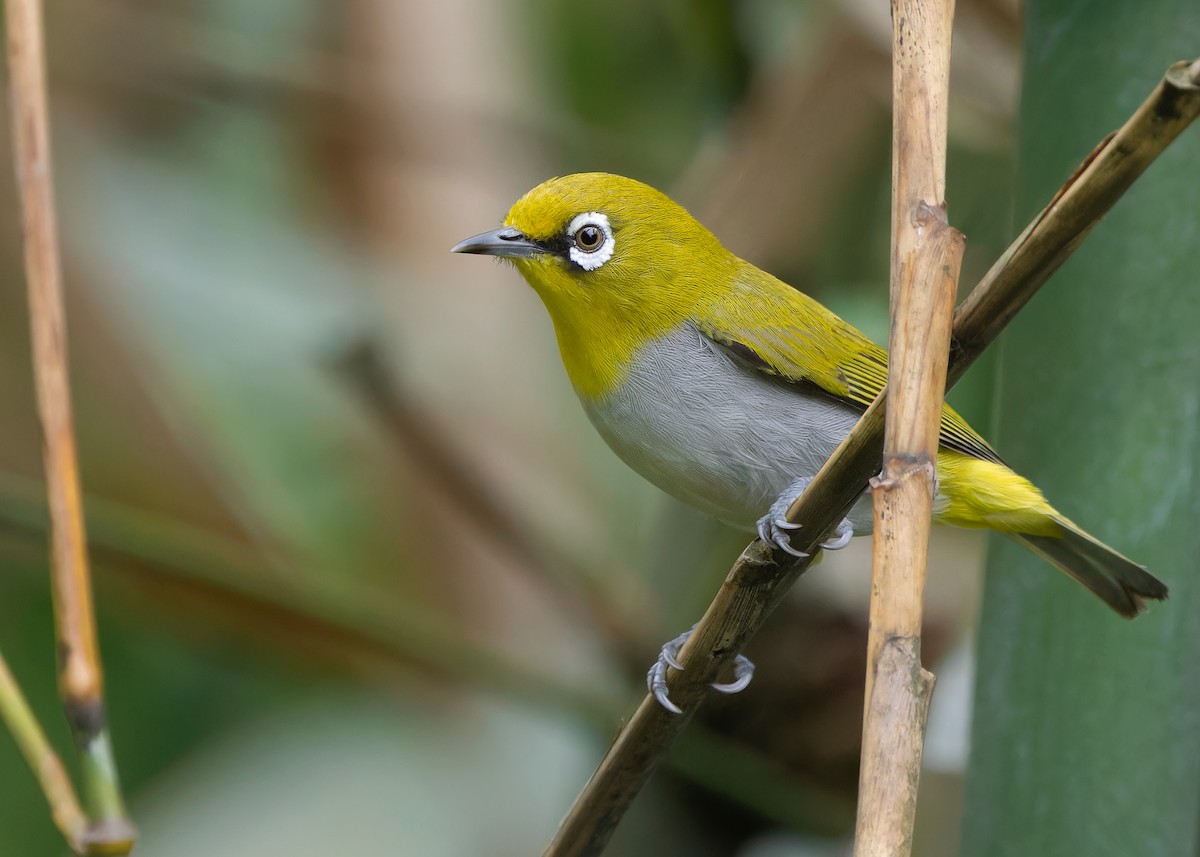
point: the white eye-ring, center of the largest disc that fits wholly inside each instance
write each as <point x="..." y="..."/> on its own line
<point x="591" y="240"/>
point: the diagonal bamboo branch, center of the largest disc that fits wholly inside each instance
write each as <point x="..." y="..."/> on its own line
<point x="756" y="583"/>
<point x="926" y="256"/>
<point x="80" y="677"/>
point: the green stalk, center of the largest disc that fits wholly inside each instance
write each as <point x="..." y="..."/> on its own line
<point x="42" y="760"/>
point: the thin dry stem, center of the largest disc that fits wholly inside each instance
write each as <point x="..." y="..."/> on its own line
<point x="80" y="676"/>
<point x="895" y="727"/>
<point x="926" y="256"/>
<point x="920" y="340"/>
<point x="756" y="583"/>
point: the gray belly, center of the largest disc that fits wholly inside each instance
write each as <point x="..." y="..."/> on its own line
<point x="716" y="434"/>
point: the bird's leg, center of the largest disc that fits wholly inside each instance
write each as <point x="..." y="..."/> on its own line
<point x="773" y="527"/>
<point x="656" y="678"/>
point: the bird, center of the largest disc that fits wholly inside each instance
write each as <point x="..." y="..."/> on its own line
<point x="728" y="388"/>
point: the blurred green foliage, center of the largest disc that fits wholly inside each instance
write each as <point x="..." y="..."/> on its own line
<point x="1086" y="731"/>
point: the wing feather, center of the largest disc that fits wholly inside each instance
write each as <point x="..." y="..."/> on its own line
<point x="815" y="350"/>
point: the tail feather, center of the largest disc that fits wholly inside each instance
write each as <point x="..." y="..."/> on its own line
<point x="1121" y="583"/>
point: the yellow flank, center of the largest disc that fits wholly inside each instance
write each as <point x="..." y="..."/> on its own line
<point x="978" y="493"/>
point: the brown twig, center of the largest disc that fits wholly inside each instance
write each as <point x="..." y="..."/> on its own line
<point x="926" y="256"/>
<point x="756" y="583"/>
<point x="80" y="676"/>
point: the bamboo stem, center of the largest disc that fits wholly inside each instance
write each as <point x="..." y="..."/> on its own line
<point x="926" y="256"/>
<point x="80" y="676"/>
<point x="756" y="583"/>
<point x="903" y="493"/>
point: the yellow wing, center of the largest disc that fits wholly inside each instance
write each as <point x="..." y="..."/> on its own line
<point x="786" y="334"/>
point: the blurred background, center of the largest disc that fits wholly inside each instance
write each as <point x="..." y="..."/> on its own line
<point x="368" y="582"/>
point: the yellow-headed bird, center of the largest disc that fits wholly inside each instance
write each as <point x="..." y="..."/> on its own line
<point x="729" y="389"/>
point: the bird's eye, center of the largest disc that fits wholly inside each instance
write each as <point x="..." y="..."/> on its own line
<point x="590" y="239"/>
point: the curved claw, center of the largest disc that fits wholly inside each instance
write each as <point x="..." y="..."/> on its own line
<point x="656" y="683"/>
<point x="844" y="533"/>
<point x="669" y="653"/>
<point x="656" y="678"/>
<point x="668" y="656"/>
<point x="743" y="671"/>
<point x="774" y="533"/>
<point x="784" y="542"/>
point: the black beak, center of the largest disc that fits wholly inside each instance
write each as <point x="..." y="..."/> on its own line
<point x="504" y="241"/>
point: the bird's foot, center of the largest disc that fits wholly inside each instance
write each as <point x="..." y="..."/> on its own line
<point x="841" y="536"/>
<point x="656" y="678"/>
<point x="775" y="529"/>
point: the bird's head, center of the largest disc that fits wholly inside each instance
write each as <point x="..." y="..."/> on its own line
<point x="615" y="261"/>
<point x="598" y="238"/>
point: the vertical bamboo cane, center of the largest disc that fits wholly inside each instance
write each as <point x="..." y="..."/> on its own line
<point x="80" y="677"/>
<point x="926" y="254"/>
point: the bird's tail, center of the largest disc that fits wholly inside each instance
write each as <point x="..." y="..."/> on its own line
<point x="1121" y="583"/>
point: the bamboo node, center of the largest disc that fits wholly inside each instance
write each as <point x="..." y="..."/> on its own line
<point x="901" y="468"/>
<point x="929" y="216"/>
